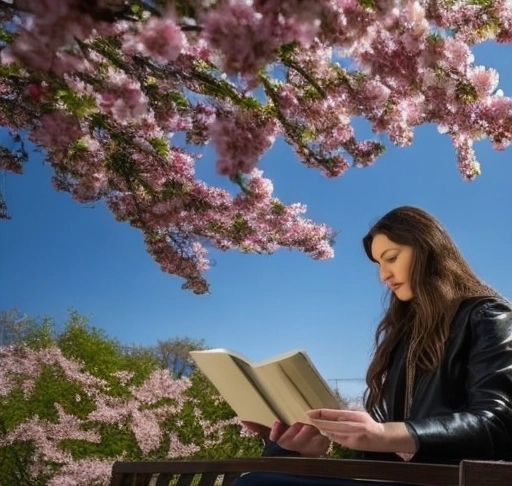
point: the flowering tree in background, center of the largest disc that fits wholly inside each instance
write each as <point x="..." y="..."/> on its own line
<point x="72" y="403"/>
<point x="118" y="93"/>
<point x="64" y="421"/>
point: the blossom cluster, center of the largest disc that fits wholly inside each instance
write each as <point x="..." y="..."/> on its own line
<point x="149" y="411"/>
<point x="111" y="89"/>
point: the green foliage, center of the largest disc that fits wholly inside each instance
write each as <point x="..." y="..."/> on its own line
<point x="6" y="37"/>
<point x="278" y="208"/>
<point x="115" y="442"/>
<point x="339" y="452"/>
<point x="466" y="92"/>
<point x="41" y="335"/>
<point x="50" y="388"/>
<point x="241" y="227"/>
<point x="306" y="134"/>
<point x="102" y="355"/>
<point x="160" y="145"/>
<point x="76" y="104"/>
<point x="482" y="3"/>
<point x="367" y="4"/>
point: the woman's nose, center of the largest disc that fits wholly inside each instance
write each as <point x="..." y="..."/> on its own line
<point x="384" y="273"/>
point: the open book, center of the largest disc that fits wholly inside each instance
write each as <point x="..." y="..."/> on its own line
<point x="281" y="388"/>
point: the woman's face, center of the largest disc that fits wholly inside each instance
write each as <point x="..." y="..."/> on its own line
<point x="394" y="263"/>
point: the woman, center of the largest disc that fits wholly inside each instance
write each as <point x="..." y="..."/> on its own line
<point x="440" y="381"/>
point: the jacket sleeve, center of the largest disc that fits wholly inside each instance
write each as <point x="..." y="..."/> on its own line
<point x="272" y="449"/>
<point x="483" y="428"/>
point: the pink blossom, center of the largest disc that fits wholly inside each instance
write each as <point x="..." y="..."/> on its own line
<point x="124" y="98"/>
<point x="57" y="130"/>
<point x="456" y="55"/>
<point x="484" y="80"/>
<point x="248" y="34"/>
<point x="55" y="24"/>
<point x="178" y="449"/>
<point x="238" y="32"/>
<point x="124" y="376"/>
<point x="83" y="472"/>
<point x="239" y="150"/>
<point x="147" y="430"/>
<point x="160" y="38"/>
<point x="468" y="165"/>
<point x="376" y="93"/>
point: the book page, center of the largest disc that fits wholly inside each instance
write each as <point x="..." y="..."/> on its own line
<point x="296" y="386"/>
<point x="303" y="374"/>
<point x="232" y="375"/>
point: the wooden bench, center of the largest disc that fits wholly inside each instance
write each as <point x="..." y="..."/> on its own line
<point x="224" y="472"/>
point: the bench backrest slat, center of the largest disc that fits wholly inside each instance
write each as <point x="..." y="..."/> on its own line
<point x="185" y="479"/>
<point x="164" y="479"/>
<point x="229" y="478"/>
<point x="207" y="479"/>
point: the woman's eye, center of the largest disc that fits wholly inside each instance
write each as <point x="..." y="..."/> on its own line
<point x="392" y="259"/>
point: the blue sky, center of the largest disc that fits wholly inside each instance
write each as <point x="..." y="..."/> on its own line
<point x="56" y="254"/>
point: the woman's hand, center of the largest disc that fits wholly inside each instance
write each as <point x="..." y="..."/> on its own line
<point x="357" y="430"/>
<point x="302" y="438"/>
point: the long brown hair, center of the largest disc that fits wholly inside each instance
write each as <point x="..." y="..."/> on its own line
<point x="440" y="280"/>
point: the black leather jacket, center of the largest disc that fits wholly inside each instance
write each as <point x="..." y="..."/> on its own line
<point x="464" y="409"/>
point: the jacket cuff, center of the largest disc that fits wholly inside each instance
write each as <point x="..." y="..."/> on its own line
<point x="274" y="449"/>
<point x="410" y="428"/>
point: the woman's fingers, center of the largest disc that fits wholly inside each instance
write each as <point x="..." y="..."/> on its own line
<point x="346" y="422"/>
<point x="338" y="427"/>
<point x="277" y="431"/>
<point x="339" y="415"/>
<point x="305" y="439"/>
